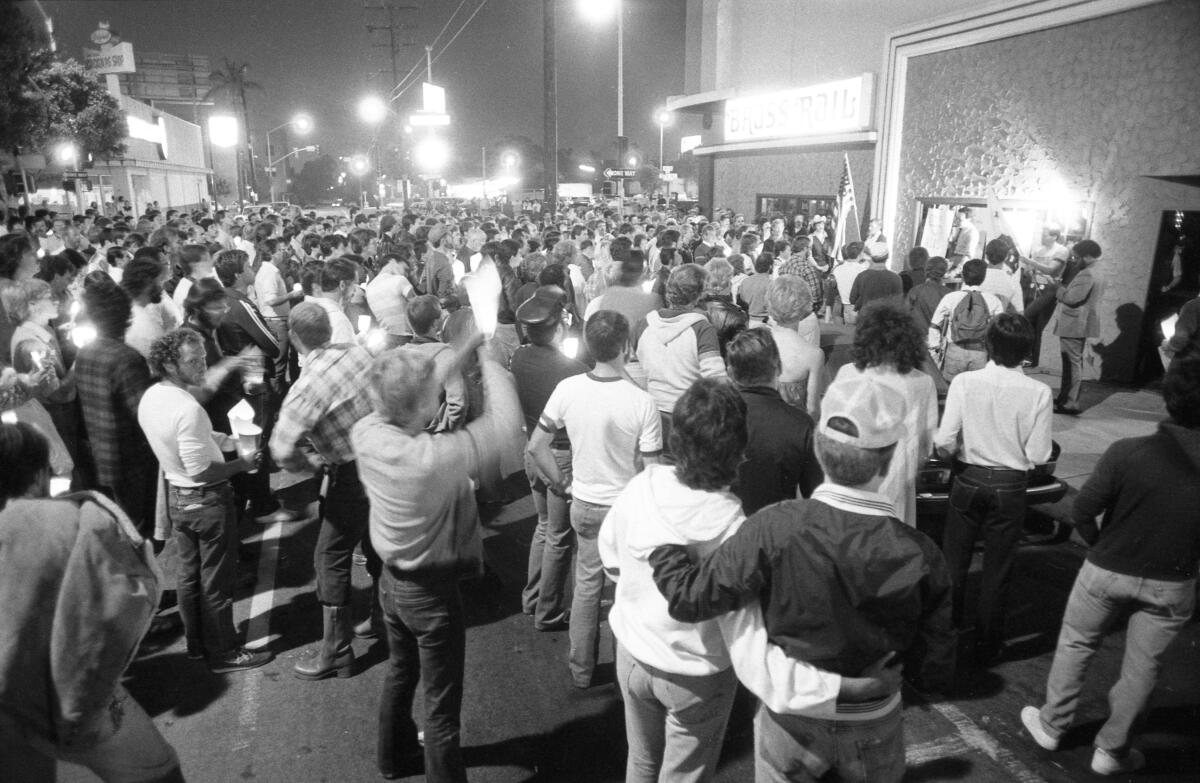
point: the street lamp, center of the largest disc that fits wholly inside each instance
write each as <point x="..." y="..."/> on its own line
<point x="431" y="154"/>
<point x="586" y="169"/>
<point x="301" y="124"/>
<point x="359" y="166"/>
<point x="663" y="118"/>
<point x="67" y="154"/>
<point x="372" y="110"/>
<point x="599" y="11"/>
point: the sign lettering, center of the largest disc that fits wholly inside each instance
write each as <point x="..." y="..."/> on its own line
<point x="835" y="107"/>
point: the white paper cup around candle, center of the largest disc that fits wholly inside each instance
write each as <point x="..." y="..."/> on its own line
<point x="483" y="287"/>
<point x="364" y="323"/>
<point x="570" y="347"/>
<point x="248" y="436"/>
<point x="59" y="485"/>
<point x="297" y="287"/>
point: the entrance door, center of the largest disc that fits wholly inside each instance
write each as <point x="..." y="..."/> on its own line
<point x="1174" y="280"/>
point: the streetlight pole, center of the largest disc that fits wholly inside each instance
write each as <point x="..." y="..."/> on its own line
<point x="621" y="95"/>
<point x="302" y="124"/>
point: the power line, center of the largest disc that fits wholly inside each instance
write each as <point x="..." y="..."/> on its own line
<point x="402" y="88"/>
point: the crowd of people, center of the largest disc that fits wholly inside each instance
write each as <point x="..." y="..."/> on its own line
<point x="660" y="380"/>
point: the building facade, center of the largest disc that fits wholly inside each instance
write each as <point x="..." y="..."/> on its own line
<point x="1079" y="113"/>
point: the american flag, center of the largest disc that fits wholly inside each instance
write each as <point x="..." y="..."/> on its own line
<point x="847" y="229"/>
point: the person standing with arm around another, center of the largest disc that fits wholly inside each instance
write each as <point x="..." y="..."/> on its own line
<point x="1141" y="563"/>
<point x="997" y="428"/>
<point x="1078" y="321"/>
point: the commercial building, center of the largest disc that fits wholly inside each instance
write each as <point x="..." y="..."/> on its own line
<point x="1074" y="112"/>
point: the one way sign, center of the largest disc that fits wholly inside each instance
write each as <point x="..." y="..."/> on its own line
<point x="620" y="173"/>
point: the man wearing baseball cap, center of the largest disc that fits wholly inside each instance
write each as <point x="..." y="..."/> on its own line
<point x="842" y="582"/>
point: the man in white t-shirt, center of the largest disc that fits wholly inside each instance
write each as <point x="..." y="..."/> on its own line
<point x="199" y="500"/>
<point x="611" y="423"/>
<point x="331" y="291"/>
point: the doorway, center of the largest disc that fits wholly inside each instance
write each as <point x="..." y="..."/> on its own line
<point x="1174" y="280"/>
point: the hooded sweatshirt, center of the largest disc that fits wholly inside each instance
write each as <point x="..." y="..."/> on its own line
<point x="678" y="347"/>
<point x="1149" y="492"/>
<point x="657" y="509"/>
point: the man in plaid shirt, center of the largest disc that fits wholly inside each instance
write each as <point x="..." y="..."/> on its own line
<point x="111" y="378"/>
<point x="321" y="407"/>
<point x="801" y="265"/>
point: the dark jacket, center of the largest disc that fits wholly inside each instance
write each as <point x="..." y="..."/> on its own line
<point x="839" y="590"/>
<point x="779" y="452"/>
<point x="1149" y="492"/>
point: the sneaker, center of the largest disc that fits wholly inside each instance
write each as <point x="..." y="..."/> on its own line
<point x="1105" y="762"/>
<point x="1032" y="718"/>
<point x="238" y="659"/>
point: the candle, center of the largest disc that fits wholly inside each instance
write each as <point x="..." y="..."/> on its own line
<point x="570" y="347"/>
<point x="364" y="323"/>
<point x="484" y="288"/>
<point x="83" y="335"/>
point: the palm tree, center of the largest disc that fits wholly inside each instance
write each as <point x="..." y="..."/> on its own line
<point x="230" y="82"/>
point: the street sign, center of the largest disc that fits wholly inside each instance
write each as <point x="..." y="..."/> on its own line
<point x="620" y="173"/>
<point x="75" y="175"/>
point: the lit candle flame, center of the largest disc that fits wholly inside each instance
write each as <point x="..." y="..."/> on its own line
<point x="83" y="335"/>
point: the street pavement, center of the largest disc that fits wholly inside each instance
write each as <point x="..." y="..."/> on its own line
<point x="523" y="720"/>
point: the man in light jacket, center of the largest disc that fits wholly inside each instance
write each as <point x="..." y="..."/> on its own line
<point x="1077" y="322"/>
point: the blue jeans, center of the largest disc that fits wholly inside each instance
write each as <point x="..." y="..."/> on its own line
<point x="584" y="632"/>
<point x="988" y="502"/>
<point x="344" y="526"/>
<point x="427" y="641"/>
<point x="1099" y="597"/>
<point x="797" y="748"/>
<point x="545" y="593"/>
<point x="205" y="523"/>
<point x="674" y="723"/>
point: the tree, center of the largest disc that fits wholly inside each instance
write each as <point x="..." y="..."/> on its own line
<point x="315" y="182"/>
<point x="229" y="82"/>
<point x="77" y="108"/>
<point x="21" y="57"/>
<point x="648" y="178"/>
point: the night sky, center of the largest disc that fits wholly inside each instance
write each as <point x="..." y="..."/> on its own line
<point x="315" y="55"/>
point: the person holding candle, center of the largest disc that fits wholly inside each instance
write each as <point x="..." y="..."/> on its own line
<point x="199" y="500"/>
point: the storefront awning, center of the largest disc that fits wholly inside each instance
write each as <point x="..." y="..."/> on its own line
<point x="699" y="102"/>
<point x="856" y="140"/>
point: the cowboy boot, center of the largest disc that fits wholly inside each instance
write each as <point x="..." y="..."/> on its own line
<point x="335" y="655"/>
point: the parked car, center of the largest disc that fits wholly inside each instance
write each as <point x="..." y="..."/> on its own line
<point x="933" y="493"/>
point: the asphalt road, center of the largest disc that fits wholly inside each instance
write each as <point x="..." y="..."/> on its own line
<point x="524" y="721"/>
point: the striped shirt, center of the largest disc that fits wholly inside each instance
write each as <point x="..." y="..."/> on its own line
<point x="323" y="405"/>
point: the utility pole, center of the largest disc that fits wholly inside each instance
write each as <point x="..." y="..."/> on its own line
<point x="429" y="63"/>
<point x="392" y="27"/>
<point x="550" y="121"/>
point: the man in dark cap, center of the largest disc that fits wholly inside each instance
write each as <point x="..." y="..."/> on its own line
<point x="923" y="298"/>
<point x="537" y="368"/>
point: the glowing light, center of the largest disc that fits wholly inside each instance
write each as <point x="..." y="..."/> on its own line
<point x="364" y="323"/>
<point x="223" y="130"/>
<point x="432" y="154"/>
<point x="484" y="289"/>
<point x="83" y="335"/>
<point x="648" y="286"/>
<point x="1168" y="326"/>
<point x="66" y="153"/>
<point x="598" y="11"/>
<point x="8" y="417"/>
<point x="632" y="160"/>
<point x="302" y="124"/>
<point x="663" y="117"/>
<point x="570" y="347"/>
<point x="359" y="165"/>
<point x="59" y="485"/>
<point x="372" y="110"/>
<point x="586" y="169"/>
<point x="509" y="160"/>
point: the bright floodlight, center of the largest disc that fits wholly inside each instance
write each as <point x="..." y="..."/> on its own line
<point x="66" y="153"/>
<point x="223" y="130"/>
<point x="432" y="154"/>
<point x="598" y="11"/>
<point x="662" y="117"/>
<point x="372" y="110"/>
<point x="509" y="160"/>
<point x="302" y="124"/>
<point x="359" y="165"/>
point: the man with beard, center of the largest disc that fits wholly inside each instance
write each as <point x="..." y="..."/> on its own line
<point x="143" y="280"/>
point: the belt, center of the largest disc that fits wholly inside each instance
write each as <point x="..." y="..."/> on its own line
<point x="201" y="491"/>
<point x="1000" y="473"/>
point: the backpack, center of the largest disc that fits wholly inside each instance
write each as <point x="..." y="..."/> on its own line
<point x="969" y="321"/>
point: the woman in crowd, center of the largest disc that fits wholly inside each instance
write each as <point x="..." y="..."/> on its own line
<point x="889" y="346"/>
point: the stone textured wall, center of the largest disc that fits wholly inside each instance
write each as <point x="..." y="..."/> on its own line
<point x="740" y="178"/>
<point x="1081" y="113"/>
